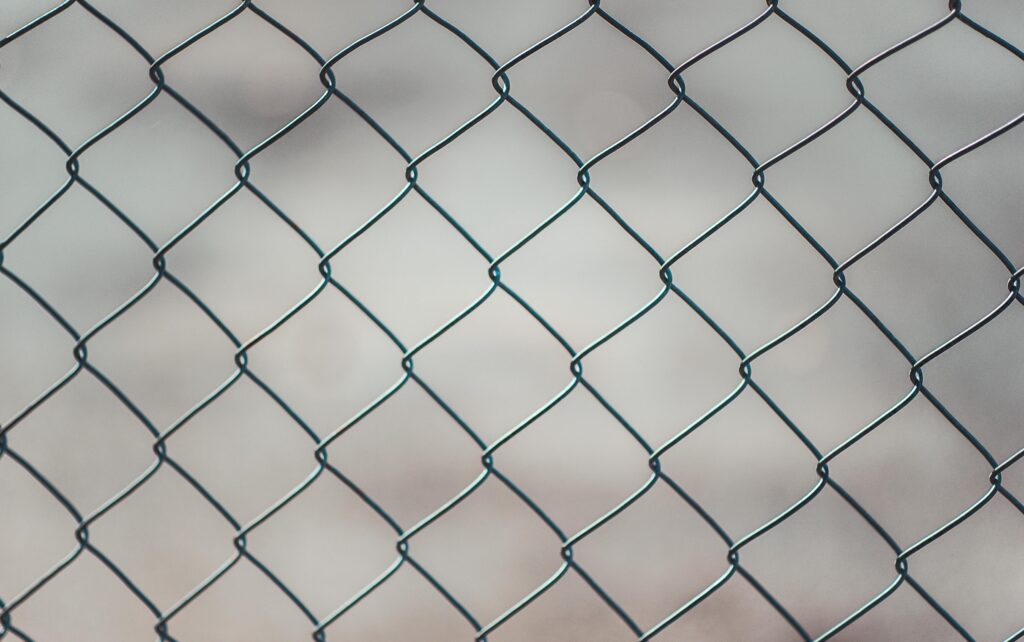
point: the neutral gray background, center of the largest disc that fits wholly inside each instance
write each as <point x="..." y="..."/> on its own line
<point x="756" y="276"/>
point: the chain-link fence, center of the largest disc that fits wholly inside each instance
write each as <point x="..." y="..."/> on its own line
<point x="745" y="445"/>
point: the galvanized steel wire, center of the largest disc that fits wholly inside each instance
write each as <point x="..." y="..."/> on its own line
<point x="322" y="471"/>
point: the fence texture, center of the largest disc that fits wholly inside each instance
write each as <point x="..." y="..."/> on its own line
<point x="427" y="307"/>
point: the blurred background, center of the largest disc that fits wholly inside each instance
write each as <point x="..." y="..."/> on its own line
<point x="756" y="277"/>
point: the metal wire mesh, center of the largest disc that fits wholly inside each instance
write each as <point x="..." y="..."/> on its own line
<point x="491" y="261"/>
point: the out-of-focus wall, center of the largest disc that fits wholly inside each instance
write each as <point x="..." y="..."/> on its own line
<point x="756" y="277"/>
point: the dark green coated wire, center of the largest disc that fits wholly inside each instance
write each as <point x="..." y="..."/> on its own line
<point x="663" y="288"/>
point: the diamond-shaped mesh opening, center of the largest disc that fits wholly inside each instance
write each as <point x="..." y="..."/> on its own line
<point x="734" y="612"/>
<point x="86" y="442"/>
<point x="187" y="529"/>
<point x="979" y="382"/>
<point x="659" y="387"/>
<point x="163" y="190"/>
<point x="252" y="290"/>
<point x="938" y="249"/>
<point x="499" y="537"/>
<point x="65" y="607"/>
<point x="680" y="30"/>
<point x="419" y="105"/>
<point x="394" y="272"/>
<point x="858" y="32"/>
<point x="403" y="607"/>
<point x="724" y="82"/>
<point x="651" y="572"/>
<point x="835" y="376"/>
<point x="245" y="50"/>
<point x="31" y="169"/>
<point x="905" y="614"/>
<point x="95" y="249"/>
<point x="91" y="64"/>
<point x="40" y="531"/>
<point x="614" y="84"/>
<point x="584" y="274"/>
<point x="983" y="546"/>
<point x="756" y="276"/>
<point x="34" y="350"/>
<point x="335" y="561"/>
<point x="480" y="179"/>
<point x="844" y="159"/>
<point x="374" y="342"/>
<point x="330" y="379"/>
<point x="903" y="459"/>
<point x="985" y="187"/>
<point x="505" y="30"/>
<point x="566" y="612"/>
<point x="269" y="614"/>
<point x="330" y="26"/>
<point x="270" y="453"/>
<point x="669" y="197"/>
<point x="579" y="459"/>
<point x="364" y="174"/>
<point x="164" y="327"/>
<point x="161" y="27"/>
<point x="851" y="563"/>
<point x="419" y="439"/>
<point x="493" y="383"/>
<point x="982" y="69"/>
<point x="767" y="468"/>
